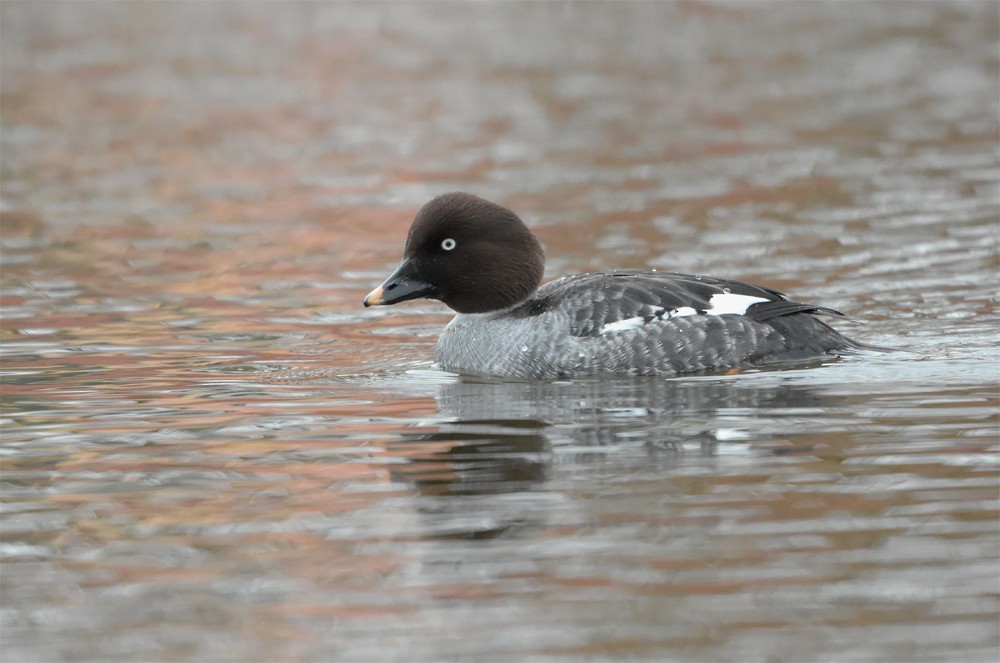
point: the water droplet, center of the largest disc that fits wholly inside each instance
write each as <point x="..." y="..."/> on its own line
<point x="725" y="291"/>
<point x="524" y="348"/>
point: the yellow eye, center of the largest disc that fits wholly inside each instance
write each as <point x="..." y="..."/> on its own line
<point x="448" y="244"/>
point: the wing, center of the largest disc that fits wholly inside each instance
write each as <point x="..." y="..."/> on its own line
<point x="597" y="304"/>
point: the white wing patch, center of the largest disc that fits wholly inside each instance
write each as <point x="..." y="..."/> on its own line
<point x="622" y="325"/>
<point x="655" y="313"/>
<point x="720" y="304"/>
<point x="726" y="302"/>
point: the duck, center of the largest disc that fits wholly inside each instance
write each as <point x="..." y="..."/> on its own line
<point x="482" y="261"/>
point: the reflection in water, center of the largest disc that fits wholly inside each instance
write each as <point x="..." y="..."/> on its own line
<point x="468" y="464"/>
<point x="632" y="404"/>
<point x="455" y="462"/>
<point x="495" y="437"/>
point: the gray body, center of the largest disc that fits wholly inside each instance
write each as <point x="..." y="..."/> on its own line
<point x="569" y="330"/>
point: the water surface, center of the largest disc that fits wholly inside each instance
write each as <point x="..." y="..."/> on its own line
<point x="212" y="452"/>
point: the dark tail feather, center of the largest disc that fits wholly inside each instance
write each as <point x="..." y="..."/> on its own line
<point x="797" y="322"/>
<point x="765" y="311"/>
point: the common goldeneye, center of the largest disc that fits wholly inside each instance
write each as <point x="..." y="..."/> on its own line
<point x="482" y="261"/>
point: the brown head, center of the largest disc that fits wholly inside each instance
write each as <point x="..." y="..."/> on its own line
<point x="471" y="254"/>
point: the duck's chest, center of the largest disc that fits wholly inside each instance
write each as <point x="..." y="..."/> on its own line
<point x="491" y="344"/>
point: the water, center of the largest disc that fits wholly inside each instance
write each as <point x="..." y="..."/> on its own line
<point x="212" y="452"/>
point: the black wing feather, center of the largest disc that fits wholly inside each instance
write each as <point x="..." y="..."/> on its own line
<point x="764" y="311"/>
<point x="595" y="300"/>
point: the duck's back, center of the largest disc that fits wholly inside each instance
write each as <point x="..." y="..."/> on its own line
<point x="637" y="323"/>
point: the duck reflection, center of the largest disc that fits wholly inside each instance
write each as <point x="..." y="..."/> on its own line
<point x="503" y="437"/>
<point x="455" y="462"/>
